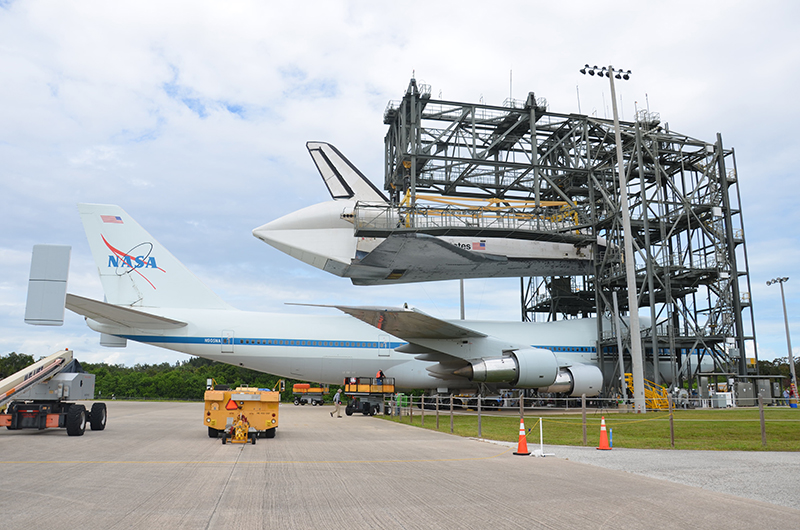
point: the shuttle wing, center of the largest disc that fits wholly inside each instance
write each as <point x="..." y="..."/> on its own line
<point x="111" y="314"/>
<point x="417" y="257"/>
<point x="404" y="251"/>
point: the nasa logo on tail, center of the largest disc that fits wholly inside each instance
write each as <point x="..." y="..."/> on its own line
<point x="139" y="257"/>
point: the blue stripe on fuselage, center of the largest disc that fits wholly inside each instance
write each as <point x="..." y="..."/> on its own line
<point x="306" y="343"/>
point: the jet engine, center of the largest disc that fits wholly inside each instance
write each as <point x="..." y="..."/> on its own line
<point x="576" y="380"/>
<point x="527" y="368"/>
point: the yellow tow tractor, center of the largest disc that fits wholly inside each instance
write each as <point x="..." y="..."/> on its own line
<point x="243" y="414"/>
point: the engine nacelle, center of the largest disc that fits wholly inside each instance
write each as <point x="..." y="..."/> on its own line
<point x="576" y="380"/>
<point x="528" y="368"/>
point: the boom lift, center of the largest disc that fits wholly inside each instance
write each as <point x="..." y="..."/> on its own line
<point x="36" y="397"/>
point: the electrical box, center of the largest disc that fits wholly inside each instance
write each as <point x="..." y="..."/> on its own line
<point x="745" y="394"/>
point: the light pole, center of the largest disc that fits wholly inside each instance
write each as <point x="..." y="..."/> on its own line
<point x="630" y="260"/>
<point x="788" y="337"/>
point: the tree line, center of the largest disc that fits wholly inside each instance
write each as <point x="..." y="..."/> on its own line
<point x="184" y="380"/>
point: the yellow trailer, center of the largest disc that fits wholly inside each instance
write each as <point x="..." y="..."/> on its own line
<point x="242" y="414"/>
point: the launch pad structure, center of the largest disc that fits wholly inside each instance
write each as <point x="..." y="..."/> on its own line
<point x="529" y="173"/>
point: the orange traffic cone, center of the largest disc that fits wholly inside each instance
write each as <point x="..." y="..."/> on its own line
<point x="603" y="435"/>
<point x="522" y="448"/>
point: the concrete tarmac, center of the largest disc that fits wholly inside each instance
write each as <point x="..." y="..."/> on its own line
<point x="155" y="467"/>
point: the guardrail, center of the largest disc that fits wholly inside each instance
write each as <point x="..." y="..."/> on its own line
<point x="389" y="218"/>
<point x="467" y="418"/>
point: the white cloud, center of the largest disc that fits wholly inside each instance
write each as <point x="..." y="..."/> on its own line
<point x="194" y="116"/>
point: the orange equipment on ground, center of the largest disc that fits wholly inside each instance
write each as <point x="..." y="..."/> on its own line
<point x="245" y="410"/>
<point x="603" y="435"/>
<point x="522" y="446"/>
<point x="305" y="393"/>
<point x="368" y="395"/>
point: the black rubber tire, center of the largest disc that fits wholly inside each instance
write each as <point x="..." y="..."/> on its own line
<point x="213" y="433"/>
<point x="313" y="403"/>
<point x="270" y="433"/>
<point x="303" y="403"/>
<point x="76" y="420"/>
<point x="253" y="438"/>
<point x="296" y="401"/>
<point x="98" y="416"/>
<point x="224" y="437"/>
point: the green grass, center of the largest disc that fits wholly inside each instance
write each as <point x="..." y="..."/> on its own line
<point x="729" y="429"/>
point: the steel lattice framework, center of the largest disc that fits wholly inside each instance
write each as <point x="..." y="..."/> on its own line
<point x="689" y="251"/>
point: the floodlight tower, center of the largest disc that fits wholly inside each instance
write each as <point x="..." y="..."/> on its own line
<point x="788" y="338"/>
<point x="630" y="273"/>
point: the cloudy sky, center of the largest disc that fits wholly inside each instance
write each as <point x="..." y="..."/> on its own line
<point x="193" y="116"/>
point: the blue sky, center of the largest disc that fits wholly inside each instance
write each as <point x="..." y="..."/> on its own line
<point x="193" y="116"/>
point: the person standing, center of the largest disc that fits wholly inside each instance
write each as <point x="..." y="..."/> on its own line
<point x="337" y="402"/>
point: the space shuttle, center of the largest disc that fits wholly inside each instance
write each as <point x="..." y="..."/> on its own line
<point x="152" y="298"/>
<point x="359" y="235"/>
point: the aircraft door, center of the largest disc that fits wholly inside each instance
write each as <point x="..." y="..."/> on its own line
<point x="227" y="341"/>
<point x="384" y="349"/>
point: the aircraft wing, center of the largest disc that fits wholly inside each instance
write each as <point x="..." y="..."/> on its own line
<point x="448" y="345"/>
<point x="409" y="324"/>
<point x="106" y="313"/>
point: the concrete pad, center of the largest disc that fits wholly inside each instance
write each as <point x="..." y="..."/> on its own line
<point x="154" y="467"/>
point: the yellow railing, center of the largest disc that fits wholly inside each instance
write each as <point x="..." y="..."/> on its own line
<point x="655" y="396"/>
<point x="437" y="211"/>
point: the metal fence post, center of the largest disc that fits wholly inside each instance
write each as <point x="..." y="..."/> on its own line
<point x="451" y="413"/>
<point x="583" y="414"/>
<point x="671" y="423"/>
<point x="437" y="411"/>
<point x="763" y="425"/>
<point x="479" y="415"/>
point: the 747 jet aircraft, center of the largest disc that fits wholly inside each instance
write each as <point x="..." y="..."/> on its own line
<point x="152" y="298"/>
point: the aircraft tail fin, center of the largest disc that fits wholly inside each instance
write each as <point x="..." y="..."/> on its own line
<point x="135" y="269"/>
<point x="343" y="179"/>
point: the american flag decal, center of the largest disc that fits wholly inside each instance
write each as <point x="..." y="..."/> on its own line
<point x="479" y="246"/>
<point x="111" y="219"/>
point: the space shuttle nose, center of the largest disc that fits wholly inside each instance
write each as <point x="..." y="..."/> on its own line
<point x="465" y="372"/>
